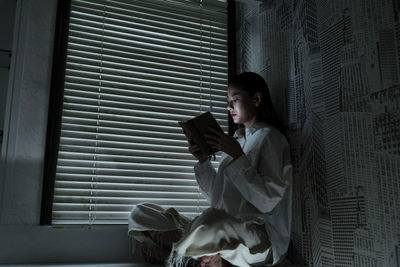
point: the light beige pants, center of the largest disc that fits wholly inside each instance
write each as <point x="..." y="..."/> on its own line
<point x="214" y="231"/>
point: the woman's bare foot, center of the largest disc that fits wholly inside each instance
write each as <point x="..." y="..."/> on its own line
<point x="214" y="261"/>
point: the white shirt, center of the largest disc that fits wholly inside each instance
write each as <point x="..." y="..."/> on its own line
<point x="257" y="186"/>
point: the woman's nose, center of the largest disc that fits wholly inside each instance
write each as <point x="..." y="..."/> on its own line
<point x="229" y="107"/>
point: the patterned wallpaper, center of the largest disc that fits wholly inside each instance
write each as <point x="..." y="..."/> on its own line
<point x="333" y="70"/>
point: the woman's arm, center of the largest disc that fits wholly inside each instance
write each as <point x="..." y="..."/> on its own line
<point x="204" y="171"/>
<point x="205" y="176"/>
<point x="265" y="184"/>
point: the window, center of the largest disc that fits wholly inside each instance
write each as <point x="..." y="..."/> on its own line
<point x="133" y="70"/>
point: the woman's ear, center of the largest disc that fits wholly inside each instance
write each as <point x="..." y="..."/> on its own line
<point x="257" y="99"/>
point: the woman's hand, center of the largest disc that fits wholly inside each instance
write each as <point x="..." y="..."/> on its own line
<point x="196" y="151"/>
<point x="213" y="261"/>
<point x="223" y="142"/>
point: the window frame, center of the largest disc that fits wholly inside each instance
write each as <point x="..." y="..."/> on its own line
<point x="57" y="93"/>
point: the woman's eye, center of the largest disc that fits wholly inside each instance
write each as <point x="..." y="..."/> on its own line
<point x="233" y="100"/>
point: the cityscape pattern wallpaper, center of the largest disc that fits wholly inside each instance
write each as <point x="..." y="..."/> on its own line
<point x="333" y="71"/>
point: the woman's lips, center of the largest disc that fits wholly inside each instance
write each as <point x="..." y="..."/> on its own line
<point x="233" y="115"/>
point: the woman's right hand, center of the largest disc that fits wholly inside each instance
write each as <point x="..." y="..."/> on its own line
<point x="196" y="152"/>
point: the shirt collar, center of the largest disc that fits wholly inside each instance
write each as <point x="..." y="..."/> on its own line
<point x="253" y="128"/>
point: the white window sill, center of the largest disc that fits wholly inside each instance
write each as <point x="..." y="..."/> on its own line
<point x="44" y="244"/>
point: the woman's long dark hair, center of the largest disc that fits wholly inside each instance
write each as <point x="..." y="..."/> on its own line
<point x="253" y="83"/>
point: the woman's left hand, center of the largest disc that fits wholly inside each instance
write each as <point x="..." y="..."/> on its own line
<point x="223" y="142"/>
<point x="213" y="261"/>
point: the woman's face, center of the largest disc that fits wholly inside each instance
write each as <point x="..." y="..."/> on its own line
<point x="242" y="107"/>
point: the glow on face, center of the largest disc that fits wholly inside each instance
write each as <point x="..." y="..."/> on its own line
<point x="241" y="107"/>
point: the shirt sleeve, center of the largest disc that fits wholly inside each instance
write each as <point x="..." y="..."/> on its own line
<point x="265" y="184"/>
<point x="205" y="175"/>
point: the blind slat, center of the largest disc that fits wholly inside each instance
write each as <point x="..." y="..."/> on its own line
<point x="131" y="117"/>
<point x="124" y="110"/>
<point x="87" y="104"/>
<point x="192" y="56"/>
<point x="142" y="19"/>
<point x="86" y="45"/>
<point x="126" y="179"/>
<point x="126" y="186"/>
<point x="159" y="12"/>
<point x="90" y="78"/>
<point x="125" y="200"/>
<point x="105" y="67"/>
<point x="107" y="207"/>
<point x="151" y="35"/>
<point x="148" y="94"/>
<point x="78" y="58"/>
<point x="87" y="17"/>
<point x="71" y="151"/>
<point x="149" y="42"/>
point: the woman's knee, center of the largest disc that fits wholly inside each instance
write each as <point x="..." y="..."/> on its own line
<point x="212" y="217"/>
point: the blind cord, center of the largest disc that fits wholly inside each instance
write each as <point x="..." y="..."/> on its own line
<point x="201" y="83"/>
<point x="210" y="83"/>
<point x="201" y="55"/>
<point x="92" y="217"/>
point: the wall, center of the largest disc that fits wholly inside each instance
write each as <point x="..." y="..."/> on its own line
<point x="26" y="113"/>
<point x="333" y="69"/>
<point x="7" y="13"/>
<point x="23" y="240"/>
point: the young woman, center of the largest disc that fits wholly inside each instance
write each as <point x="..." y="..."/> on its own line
<point x="250" y="195"/>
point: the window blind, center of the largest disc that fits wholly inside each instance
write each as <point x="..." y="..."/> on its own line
<point x="134" y="69"/>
